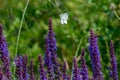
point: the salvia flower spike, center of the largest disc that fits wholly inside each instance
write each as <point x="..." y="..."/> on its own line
<point x="84" y="70"/>
<point x="48" y="61"/>
<point x="18" y="62"/>
<point x="64" y="69"/>
<point x="113" y="61"/>
<point x="4" y="55"/>
<point x="1" y="74"/>
<point x="24" y="67"/>
<point x="76" y="71"/>
<point x="53" y="49"/>
<point x="41" y="70"/>
<point x="95" y="57"/>
<point x="31" y="68"/>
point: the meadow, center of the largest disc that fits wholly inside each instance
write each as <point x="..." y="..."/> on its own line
<point x="25" y="27"/>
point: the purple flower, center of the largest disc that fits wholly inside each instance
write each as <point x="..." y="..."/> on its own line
<point x="4" y="55"/>
<point x="47" y="56"/>
<point x="95" y="57"/>
<point x="1" y="74"/>
<point x="48" y="61"/>
<point x="84" y="70"/>
<point x="51" y="37"/>
<point x="31" y="70"/>
<point x="24" y="67"/>
<point x="64" y="69"/>
<point x="65" y="76"/>
<point x="114" y="73"/>
<point x="18" y="62"/>
<point x="50" y="53"/>
<point x="68" y="78"/>
<point x="42" y="71"/>
<point x="76" y="71"/>
<point x="53" y="49"/>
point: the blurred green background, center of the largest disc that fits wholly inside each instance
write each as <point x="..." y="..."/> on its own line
<point x="83" y="16"/>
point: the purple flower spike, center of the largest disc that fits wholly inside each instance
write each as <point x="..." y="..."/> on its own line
<point x="1" y="74"/>
<point x="47" y="56"/>
<point x="68" y="78"/>
<point x="114" y="73"/>
<point x="53" y="49"/>
<point x="95" y="57"/>
<point x="50" y="54"/>
<point x="18" y="62"/>
<point x="48" y="61"/>
<point x="24" y="67"/>
<point x="84" y="70"/>
<point x="41" y="70"/>
<point x="51" y="36"/>
<point x="4" y="55"/>
<point x="76" y="71"/>
<point x="31" y="70"/>
<point x="64" y="71"/>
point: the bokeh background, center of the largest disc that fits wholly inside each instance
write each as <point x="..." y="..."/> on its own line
<point x="83" y="16"/>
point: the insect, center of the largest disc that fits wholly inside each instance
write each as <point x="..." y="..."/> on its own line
<point x="64" y="18"/>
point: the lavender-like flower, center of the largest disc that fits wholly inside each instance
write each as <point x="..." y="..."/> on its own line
<point x="1" y="74"/>
<point x="68" y="78"/>
<point x="113" y="61"/>
<point x="31" y="71"/>
<point x="24" y="67"/>
<point x="95" y="57"/>
<point x="84" y="70"/>
<point x="4" y="55"/>
<point x="42" y="71"/>
<point x="53" y="49"/>
<point x="76" y="71"/>
<point x="64" y="69"/>
<point x="48" y="61"/>
<point x="51" y="52"/>
<point x="18" y="62"/>
<point x="51" y="37"/>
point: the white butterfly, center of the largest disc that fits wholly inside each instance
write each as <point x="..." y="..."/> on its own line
<point x="64" y="18"/>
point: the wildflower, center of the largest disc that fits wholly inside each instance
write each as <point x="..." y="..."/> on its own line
<point x="76" y="71"/>
<point x="18" y="62"/>
<point x="84" y="70"/>
<point x="50" y="54"/>
<point x="114" y="73"/>
<point x="95" y="57"/>
<point x="64" y="18"/>
<point x="31" y="68"/>
<point x="64" y="69"/>
<point x="24" y="67"/>
<point x="41" y="69"/>
<point x="48" y="61"/>
<point x="51" y="38"/>
<point x="68" y="77"/>
<point x="1" y="74"/>
<point x="4" y="55"/>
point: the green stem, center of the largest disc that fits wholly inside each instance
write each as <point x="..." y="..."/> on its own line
<point x="76" y="54"/>
<point x="18" y="38"/>
<point x="107" y="47"/>
<point x="116" y="15"/>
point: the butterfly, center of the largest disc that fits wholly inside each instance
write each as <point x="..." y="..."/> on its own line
<point x="64" y="18"/>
